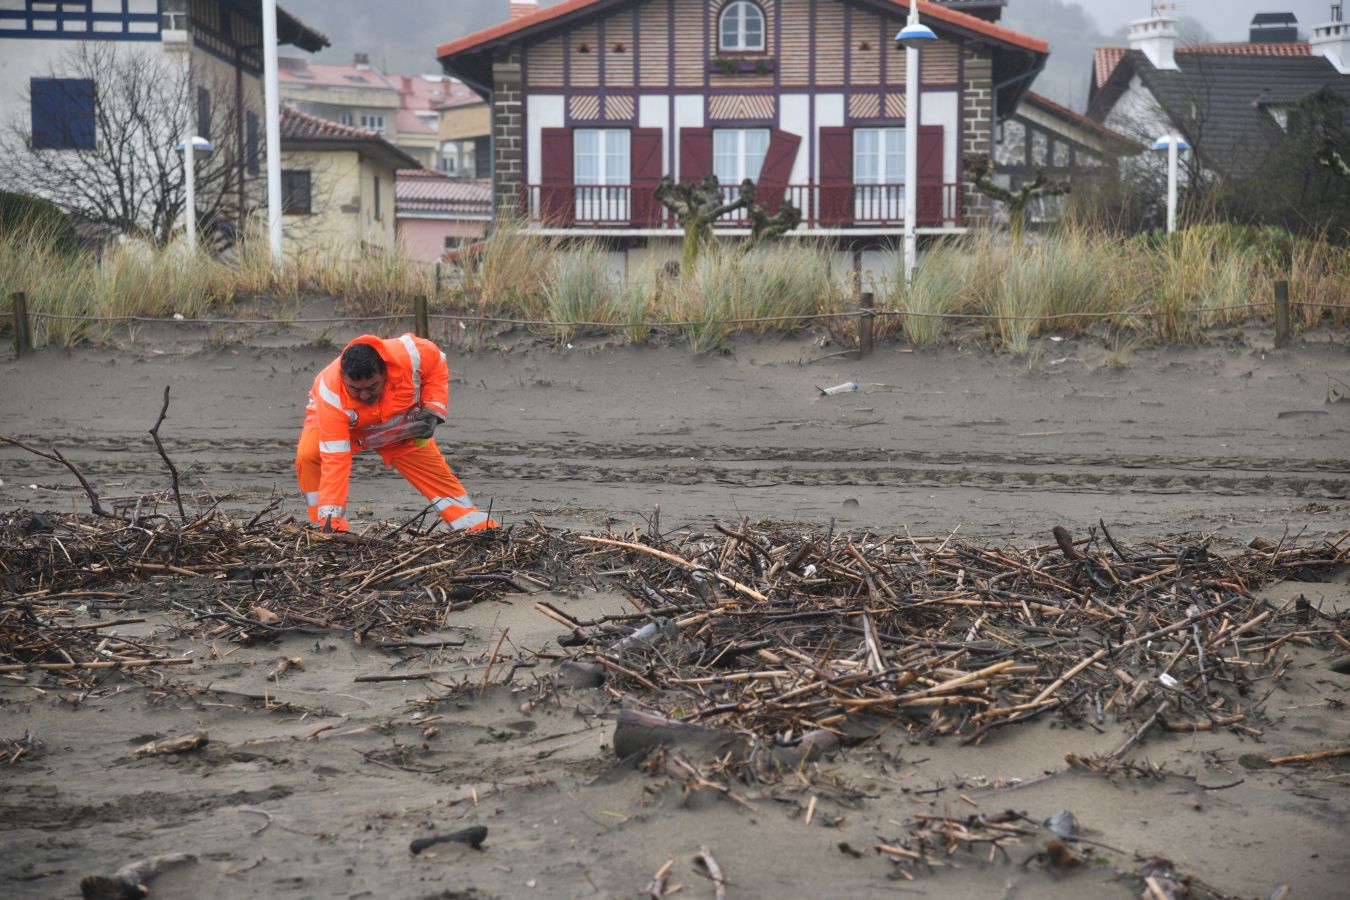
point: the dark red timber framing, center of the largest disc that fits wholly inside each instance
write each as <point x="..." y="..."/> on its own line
<point x="556" y="206"/>
<point x="647" y="171"/>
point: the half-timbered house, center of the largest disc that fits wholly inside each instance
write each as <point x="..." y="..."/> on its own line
<point x="595" y="100"/>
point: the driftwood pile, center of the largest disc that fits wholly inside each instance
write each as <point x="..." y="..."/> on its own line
<point x="774" y="631"/>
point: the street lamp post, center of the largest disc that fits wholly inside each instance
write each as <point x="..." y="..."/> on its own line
<point x="1175" y="146"/>
<point x="913" y="36"/>
<point x="272" y="112"/>
<point x="200" y="147"/>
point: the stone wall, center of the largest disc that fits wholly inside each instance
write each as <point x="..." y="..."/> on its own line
<point x="508" y="132"/>
<point x="977" y="111"/>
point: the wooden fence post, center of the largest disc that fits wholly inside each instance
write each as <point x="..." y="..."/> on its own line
<point x="436" y="286"/>
<point x="1281" y="313"/>
<point x="23" y="336"/>
<point x="865" y="319"/>
<point x="421" y="322"/>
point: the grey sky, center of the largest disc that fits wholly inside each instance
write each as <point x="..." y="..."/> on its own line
<point x="1227" y="20"/>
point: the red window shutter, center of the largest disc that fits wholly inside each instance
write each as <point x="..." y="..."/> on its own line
<point x="696" y="153"/>
<point x="836" y="176"/>
<point x="930" y="175"/>
<point x="777" y="169"/>
<point x="646" y="173"/>
<point x="557" y="204"/>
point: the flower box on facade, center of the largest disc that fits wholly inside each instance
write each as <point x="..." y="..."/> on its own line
<point x="760" y="65"/>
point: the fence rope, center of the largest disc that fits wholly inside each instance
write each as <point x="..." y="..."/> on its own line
<point x="804" y="317"/>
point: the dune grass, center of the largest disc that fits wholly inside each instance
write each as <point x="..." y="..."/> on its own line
<point x="1075" y="279"/>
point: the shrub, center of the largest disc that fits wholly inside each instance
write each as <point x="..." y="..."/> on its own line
<point x="42" y="219"/>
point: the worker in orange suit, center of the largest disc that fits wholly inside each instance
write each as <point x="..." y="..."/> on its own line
<point x="386" y="395"/>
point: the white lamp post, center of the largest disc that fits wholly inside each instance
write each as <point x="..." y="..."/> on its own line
<point x="912" y="37"/>
<point x="1175" y="146"/>
<point x="272" y="113"/>
<point x="201" y="147"/>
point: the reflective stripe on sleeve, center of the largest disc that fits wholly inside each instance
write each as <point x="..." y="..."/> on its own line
<point x="436" y="408"/>
<point x="335" y="446"/>
<point x="335" y="401"/>
<point x="337" y="512"/>
<point x="311" y="498"/>
<point x="468" y="520"/>
<point x="416" y="361"/>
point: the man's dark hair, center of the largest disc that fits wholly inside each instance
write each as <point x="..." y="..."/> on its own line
<point x="360" y="361"/>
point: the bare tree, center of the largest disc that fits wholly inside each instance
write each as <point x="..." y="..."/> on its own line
<point x="132" y="179"/>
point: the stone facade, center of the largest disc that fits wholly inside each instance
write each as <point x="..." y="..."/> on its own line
<point x="508" y="131"/>
<point x="977" y="93"/>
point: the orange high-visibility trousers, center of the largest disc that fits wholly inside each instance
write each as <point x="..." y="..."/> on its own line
<point x="424" y="467"/>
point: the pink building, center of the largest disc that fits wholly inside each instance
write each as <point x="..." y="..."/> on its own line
<point x="435" y="214"/>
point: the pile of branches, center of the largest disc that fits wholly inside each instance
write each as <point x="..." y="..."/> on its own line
<point x="773" y="631"/>
<point x="777" y="633"/>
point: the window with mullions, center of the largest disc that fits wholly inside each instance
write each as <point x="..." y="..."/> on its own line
<point x="602" y="168"/>
<point x="878" y="174"/>
<point x="741" y="28"/>
<point x="372" y="122"/>
<point x="738" y="154"/>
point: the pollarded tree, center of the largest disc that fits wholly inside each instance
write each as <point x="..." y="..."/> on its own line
<point x="981" y="169"/>
<point x="102" y="142"/>
<point x="698" y="204"/>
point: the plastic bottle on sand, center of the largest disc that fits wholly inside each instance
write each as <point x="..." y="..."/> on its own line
<point x="844" y="388"/>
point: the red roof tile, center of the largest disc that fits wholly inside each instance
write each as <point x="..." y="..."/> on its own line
<point x="1295" y="48"/>
<point x="425" y="190"/>
<point x="298" y="126"/>
<point x="1105" y="61"/>
<point x="929" y="11"/>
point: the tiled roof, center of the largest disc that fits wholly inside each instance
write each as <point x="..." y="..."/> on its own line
<point x="1295" y="48"/>
<point x="409" y="122"/>
<point x="1105" y="61"/>
<point x="300" y="129"/>
<point x="1081" y="120"/>
<point x="1222" y="98"/>
<point x="298" y="126"/>
<point x="1107" y="58"/>
<point x="423" y="190"/>
<point x="931" y="12"/>
<point x="351" y="77"/>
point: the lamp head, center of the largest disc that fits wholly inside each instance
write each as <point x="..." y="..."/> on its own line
<point x="1166" y="141"/>
<point x="915" y="35"/>
<point x="200" y="146"/>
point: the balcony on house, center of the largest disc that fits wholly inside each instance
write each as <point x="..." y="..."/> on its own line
<point x="824" y="206"/>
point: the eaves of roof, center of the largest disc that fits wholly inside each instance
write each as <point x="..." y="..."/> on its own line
<point x="301" y="131"/>
<point x="523" y="26"/>
<point x="1126" y="144"/>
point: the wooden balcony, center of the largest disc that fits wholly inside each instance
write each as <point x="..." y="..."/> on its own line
<point x="823" y="206"/>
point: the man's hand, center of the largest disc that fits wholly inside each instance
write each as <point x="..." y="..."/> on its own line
<point x="426" y="426"/>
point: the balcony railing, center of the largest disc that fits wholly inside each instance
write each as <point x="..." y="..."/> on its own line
<point x="821" y="205"/>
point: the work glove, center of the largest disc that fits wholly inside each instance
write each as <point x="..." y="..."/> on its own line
<point x="334" y="524"/>
<point x="425" y="426"/>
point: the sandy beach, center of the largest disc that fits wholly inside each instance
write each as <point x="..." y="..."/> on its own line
<point x="313" y="785"/>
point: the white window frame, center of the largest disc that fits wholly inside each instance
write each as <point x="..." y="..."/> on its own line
<point x="738" y="14"/>
<point x="372" y="122"/>
<point x="450" y="158"/>
<point x="879" y="187"/>
<point x="737" y="155"/>
<point x="602" y="174"/>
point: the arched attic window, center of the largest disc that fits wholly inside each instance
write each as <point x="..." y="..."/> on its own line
<point x="741" y="28"/>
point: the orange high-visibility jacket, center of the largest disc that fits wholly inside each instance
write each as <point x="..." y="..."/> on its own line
<point x="415" y="375"/>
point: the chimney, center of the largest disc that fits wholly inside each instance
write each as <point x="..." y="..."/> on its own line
<point x="1273" y="28"/>
<point x="1332" y="41"/>
<point x="361" y="60"/>
<point x="523" y="8"/>
<point x="1157" y="38"/>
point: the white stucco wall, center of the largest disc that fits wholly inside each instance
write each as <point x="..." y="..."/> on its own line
<point x="541" y="111"/>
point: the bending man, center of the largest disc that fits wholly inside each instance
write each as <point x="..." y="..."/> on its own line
<point x="386" y="395"/>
